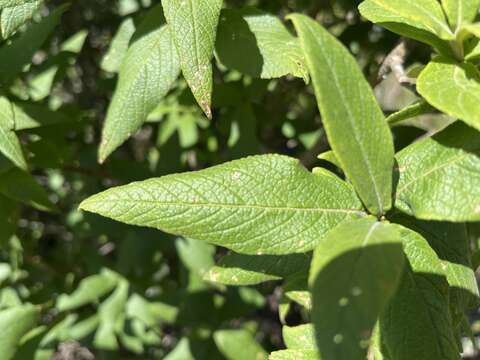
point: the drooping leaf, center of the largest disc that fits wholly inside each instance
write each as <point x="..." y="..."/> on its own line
<point x="355" y="272"/>
<point x="20" y="52"/>
<point x="300" y="337"/>
<point x="439" y="176"/>
<point x="193" y="26"/>
<point x="417" y="322"/>
<point x="295" y="355"/>
<point x="460" y="11"/>
<point x="239" y="345"/>
<point x="258" y="205"/>
<point x="241" y="270"/>
<point x="453" y="88"/>
<point x="117" y="51"/>
<point x="15" y="323"/>
<point x="250" y="41"/>
<point x="421" y="20"/>
<point x="13" y="17"/>
<point x="9" y="144"/>
<point x="355" y="125"/>
<point x="148" y="72"/>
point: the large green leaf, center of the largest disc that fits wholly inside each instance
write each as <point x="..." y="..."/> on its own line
<point x="194" y="28"/>
<point x="19" y="53"/>
<point x="422" y="20"/>
<point x="240" y="270"/>
<point x="13" y="17"/>
<point x="440" y="176"/>
<point x="355" y="125"/>
<point x="460" y="11"/>
<point x="355" y="271"/>
<point x="258" y="205"/>
<point x="417" y="322"/>
<point x="15" y="323"/>
<point x="250" y="40"/>
<point x="148" y="72"/>
<point x="453" y="88"/>
<point x="239" y="345"/>
<point x="9" y="144"/>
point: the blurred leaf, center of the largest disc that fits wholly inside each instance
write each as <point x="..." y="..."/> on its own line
<point x="239" y="345"/>
<point x="300" y="337"/>
<point x="117" y="51"/>
<point x="295" y="355"/>
<point x="9" y="143"/>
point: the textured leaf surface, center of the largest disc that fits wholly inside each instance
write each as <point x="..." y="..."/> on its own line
<point x="294" y="355"/>
<point x="258" y="205"/>
<point x="460" y="11"/>
<point x="194" y="28"/>
<point x="148" y="72"/>
<point x="9" y="143"/>
<point x="239" y="345"/>
<point x="440" y="176"/>
<point x="452" y="88"/>
<point x="422" y="20"/>
<point x="355" y="271"/>
<point x="13" y="17"/>
<point x="250" y="40"/>
<point x="417" y="322"/>
<point x="241" y="270"/>
<point x="300" y="337"/>
<point x="355" y="125"/>
<point x="15" y="323"/>
<point x="117" y="51"/>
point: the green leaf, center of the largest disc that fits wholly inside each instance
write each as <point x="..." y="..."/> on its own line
<point x="452" y="88"/>
<point x="90" y="290"/>
<point x="417" y="322"/>
<point x="422" y="20"/>
<point x="249" y="40"/>
<point x="9" y="143"/>
<point x="148" y="72"/>
<point x="15" y="323"/>
<point x="16" y="55"/>
<point x="439" y="176"/>
<point x="258" y="205"/>
<point x="193" y="25"/>
<point x="460" y="11"/>
<point x="10" y="3"/>
<point x="239" y="345"/>
<point x="241" y="270"/>
<point x="420" y="107"/>
<point x="13" y="17"/>
<point x="355" y="272"/>
<point x="33" y="115"/>
<point x="295" y="355"/>
<point x="300" y="337"/>
<point x="117" y="51"/>
<point x="355" y="125"/>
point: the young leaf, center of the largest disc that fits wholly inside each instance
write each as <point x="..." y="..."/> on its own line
<point x="417" y="323"/>
<point x="439" y="176"/>
<point x="422" y="20"/>
<point x="258" y="205"/>
<point x="242" y="270"/>
<point x="15" y="323"/>
<point x="193" y="25"/>
<point x="148" y="72"/>
<point x="239" y="345"/>
<point x="460" y="11"/>
<point x="300" y="337"/>
<point x="13" y="17"/>
<point x="9" y="144"/>
<point x="453" y="88"/>
<point x="419" y="108"/>
<point x="354" y="123"/>
<point x="354" y="273"/>
<point x="117" y="51"/>
<point x="250" y="40"/>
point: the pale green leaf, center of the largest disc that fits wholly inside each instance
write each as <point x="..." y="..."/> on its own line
<point x="355" y="272"/>
<point x="240" y="270"/>
<point x="295" y="355"/>
<point x="9" y="144"/>
<point x="440" y="176"/>
<point x="181" y="352"/>
<point x="13" y="17"/>
<point x="417" y="322"/>
<point x="453" y="88"/>
<point x="250" y="40"/>
<point x="420" y="107"/>
<point x="15" y="323"/>
<point x="117" y="51"/>
<point x="258" y="205"/>
<point x="422" y="20"/>
<point x="355" y="125"/>
<point x="10" y="3"/>
<point x="460" y="11"/>
<point x="193" y="25"/>
<point x="300" y="337"/>
<point x="239" y="345"/>
<point x="148" y="72"/>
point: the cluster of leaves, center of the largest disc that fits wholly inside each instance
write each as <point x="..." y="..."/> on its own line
<point x="370" y="254"/>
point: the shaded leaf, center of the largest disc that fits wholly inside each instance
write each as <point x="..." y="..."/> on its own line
<point x="239" y="345"/>
<point x="9" y="144"/>
<point x="117" y="51"/>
